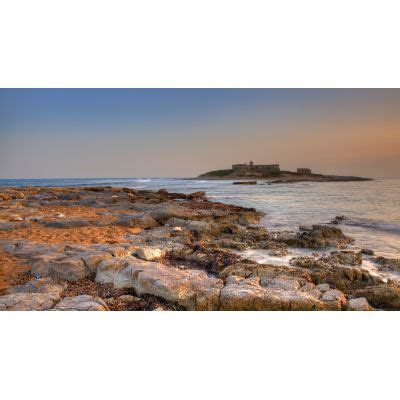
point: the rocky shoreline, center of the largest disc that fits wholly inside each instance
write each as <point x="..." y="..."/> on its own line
<point x="103" y="248"/>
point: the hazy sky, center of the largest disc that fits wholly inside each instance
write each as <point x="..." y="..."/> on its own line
<point x="185" y="132"/>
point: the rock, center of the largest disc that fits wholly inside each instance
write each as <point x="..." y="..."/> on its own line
<point x="120" y="251"/>
<point x="28" y="301"/>
<point x="194" y="226"/>
<point x="70" y="269"/>
<point x="281" y="282"/>
<point x="248" y="218"/>
<point x="382" y="296"/>
<point x="68" y="223"/>
<point x="338" y="219"/>
<point x="129" y="298"/>
<point x="367" y="252"/>
<point x="335" y="296"/>
<point x="323" y="270"/>
<point x="346" y="257"/>
<point x="92" y="259"/>
<point x="192" y="289"/>
<point x="305" y="228"/>
<point x="247" y="294"/>
<point x="150" y="253"/>
<point x="43" y="264"/>
<point x="144" y="221"/>
<point x="279" y="252"/>
<point x="290" y="238"/>
<point x="323" y="287"/>
<point x="358" y="304"/>
<point x="6" y="226"/>
<point x="108" y="269"/>
<point x="322" y="236"/>
<point x="81" y="303"/>
<point x="176" y="229"/>
<point x="43" y="285"/>
<point x="387" y="264"/>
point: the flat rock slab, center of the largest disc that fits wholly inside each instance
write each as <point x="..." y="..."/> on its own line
<point x="81" y="303"/>
<point x="241" y="294"/>
<point x="43" y="285"/>
<point x="28" y="301"/>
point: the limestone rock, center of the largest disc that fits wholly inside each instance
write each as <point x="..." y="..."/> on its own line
<point x="358" y="304"/>
<point x="144" y="221"/>
<point x="323" y="287"/>
<point x="150" y="253"/>
<point x="81" y="303"/>
<point x="92" y="259"/>
<point x="70" y="269"/>
<point x="335" y="296"/>
<point x="28" y="301"/>
<point x="192" y="289"/>
<point x="247" y="294"/>
<point x="43" y="285"/>
<point x="108" y="269"/>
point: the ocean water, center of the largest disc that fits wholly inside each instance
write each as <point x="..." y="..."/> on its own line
<point x="372" y="208"/>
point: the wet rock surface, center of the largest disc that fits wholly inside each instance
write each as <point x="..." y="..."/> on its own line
<point x="100" y="249"/>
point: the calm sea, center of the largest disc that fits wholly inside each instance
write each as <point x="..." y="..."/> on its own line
<point x="372" y="208"/>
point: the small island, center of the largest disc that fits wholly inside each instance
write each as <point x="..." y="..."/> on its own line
<point x="273" y="174"/>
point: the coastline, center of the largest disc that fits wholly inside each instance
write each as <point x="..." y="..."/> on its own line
<point x="126" y="249"/>
<point x="284" y="177"/>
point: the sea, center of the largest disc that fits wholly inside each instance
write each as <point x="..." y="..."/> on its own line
<point x="371" y="208"/>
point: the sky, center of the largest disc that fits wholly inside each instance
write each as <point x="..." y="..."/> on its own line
<point x="50" y="133"/>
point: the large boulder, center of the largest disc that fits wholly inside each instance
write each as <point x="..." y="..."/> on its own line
<point x="319" y="236"/>
<point x="81" y="303"/>
<point x="192" y="289"/>
<point x="28" y="301"/>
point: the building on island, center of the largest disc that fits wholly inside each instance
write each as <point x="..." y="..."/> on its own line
<point x="304" y="171"/>
<point x="251" y="167"/>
